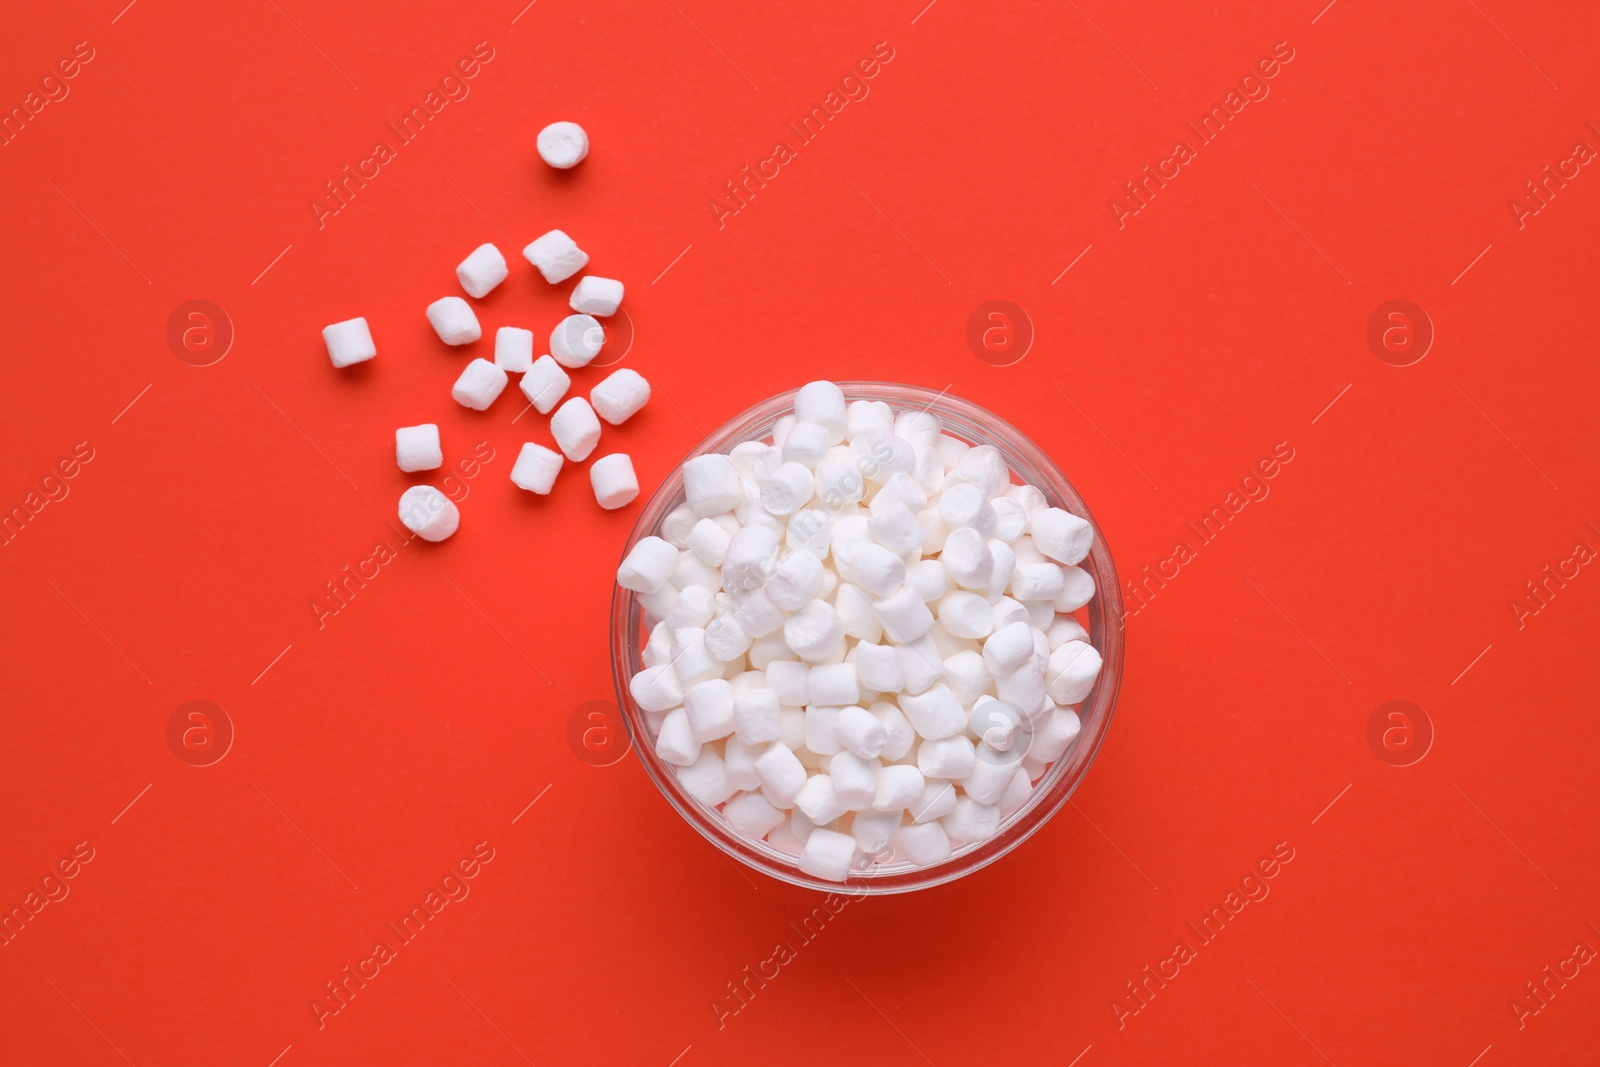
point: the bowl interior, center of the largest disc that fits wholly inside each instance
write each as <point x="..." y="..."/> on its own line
<point x="1102" y="617"/>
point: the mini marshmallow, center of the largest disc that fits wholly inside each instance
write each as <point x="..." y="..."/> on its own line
<point x="967" y="559"/>
<point x="676" y="526"/>
<point x="806" y="444"/>
<point x="759" y="617"/>
<point x="903" y="614"/>
<point x="877" y="570"/>
<point x="535" y="470"/>
<point x="971" y="821"/>
<point x="1010" y="520"/>
<point x="556" y="255"/>
<point x="706" y="779"/>
<point x="991" y="775"/>
<point x="936" y="713"/>
<point x="726" y="640"/>
<point x="563" y="145"/>
<point x="1077" y="589"/>
<point x="814" y="632"/>
<point x="822" y="730"/>
<point x="349" y="342"/>
<point x="818" y="800"/>
<point x="544" y="384"/>
<point x="918" y="427"/>
<point x="921" y="662"/>
<point x="879" y="667"/>
<point x="998" y="724"/>
<point x="855" y="611"/>
<point x="966" y="675"/>
<point x="513" y="351"/>
<point x="1008" y="647"/>
<point x="656" y="689"/>
<point x="739" y="763"/>
<point x="873" y="830"/>
<point x="898" y="786"/>
<point x="620" y="395"/>
<point x="828" y="855"/>
<point x="966" y="615"/>
<point x="416" y="448"/>
<point x="786" y="490"/>
<point x="964" y="504"/>
<point x="924" y="844"/>
<point x="576" y="340"/>
<point x="428" y="513"/>
<point x="691" y="663"/>
<point x="795" y="580"/>
<point x="1017" y="793"/>
<point x="855" y="780"/>
<point x="789" y="681"/>
<point x="479" y="384"/>
<point x="596" y="296"/>
<point x="615" y="484"/>
<point x="938" y="799"/>
<point x="1061" y="535"/>
<point x="859" y="731"/>
<point x="751" y="815"/>
<point x="868" y="414"/>
<point x="1054" y="735"/>
<point x="834" y="683"/>
<point x="947" y="757"/>
<point x="1037" y="581"/>
<point x="896" y="528"/>
<point x="1065" y="629"/>
<point x="709" y="542"/>
<point x="709" y="706"/>
<point x="899" y="729"/>
<point x="928" y="578"/>
<point x="648" y="564"/>
<point x="453" y="321"/>
<point x="575" y="429"/>
<point x="780" y="771"/>
<point x="675" y="743"/>
<point x="711" y="486"/>
<point x="1072" y="672"/>
<point x="823" y="403"/>
<point x="480" y="272"/>
<point x="755" y="716"/>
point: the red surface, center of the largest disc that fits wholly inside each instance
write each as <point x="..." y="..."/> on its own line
<point x="375" y="752"/>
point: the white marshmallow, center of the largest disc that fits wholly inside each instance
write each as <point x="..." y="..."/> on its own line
<point x="708" y="540"/>
<point x="796" y="579"/>
<point x="556" y="255"/>
<point x="1054" y="735"/>
<point x="759" y="616"/>
<point x="880" y="667"/>
<point x="676" y="526"/>
<point x="1064" y="629"/>
<point x="877" y="570"/>
<point x="868" y="414"/>
<point x="947" y="757"/>
<point x="839" y="483"/>
<point x="822" y="402"/>
<point x="818" y="800"/>
<point x="513" y="351"/>
<point x="575" y="429"/>
<point x="544" y="384"/>
<point x="620" y="396"/>
<point x="349" y="342"/>
<point x="918" y="427"/>
<point x="836" y="684"/>
<point x="921" y="662"/>
<point x="726" y="640"/>
<point x="755" y="716"/>
<point x="936" y="713"/>
<point x="855" y="610"/>
<point x="898" y="786"/>
<point x="675" y="742"/>
<point x="790" y="681"/>
<point x="924" y="844"/>
<point x="1010" y="519"/>
<point x="691" y="663"/>
<point x="822" y="730"/>
<point x="828" y="855"/>
<point x="711" y="486"/>
<point x="657" y="689"/>
<point x="428" y="513"/>
<point x="1017" y="793"/>
<point x="873" y="830"/>
<point x="1077" y="589"/>
<point x="1061" y="535"/>
<point x="481" y="271"/>
<point x="896" y="528"/>
<point x="859" y="731"/>
<point x="739" y="763"/>
<point x="535" y="470"/>
<point x="479" y="384"/>
<point x="596" y="296"/>
<point x="902" y="736"/>
<point x="751" y="815"/>
<point x="971" y="821"/>
<point x="706" y="779"/>
<point x="615" y="483"/>
<point x="780" y="771"/>
<point x="709" y="706"/>
<point x="1008" y="647"/>
<point x="967" y="559"/>
<point x="966" y="675"/>
<point x="648" y="564"/>
<point x="576" y="340"/>
<point x="416" y="448"/>
<point x="814" y="632"/>
<point x="966" y="615"/>
<point x="999" y="725"/>
<point x="904" y="615"/>
<point x="1037" y="581"/>
<point x="563" y="145"/>
<point x="453" y="321"/>
<point x="991" y="775"/>
<point x="964" y="504"/>
<point x="1072" y="672"/>
<point x="938" y="799"/>
<point x="928" y="578"/>
<point x="855" y="780"/>
<point x="786" y="490"/>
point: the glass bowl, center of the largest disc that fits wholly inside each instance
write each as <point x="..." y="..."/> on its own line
<point x="1102" y="617"/>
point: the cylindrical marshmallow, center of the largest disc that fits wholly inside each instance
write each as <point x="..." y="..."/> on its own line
<point x="545" y="384"/>
<point x="556" y="255"/>
<point x="648" y="564"/>
<point x="711" y="486"/>
<point x="786" y="490"/>
<point x="964" y="614"/>
<point x="481" y="271"/>
<point x="513" y="350"/>
<point x="923" y="844"/>
<point x="615" y="484"/>
<point x="828" y="855"/>
<point x="814" y="632"/>
<point x="575" y="429"/>
<point x="751" y="815"/>
<point x="971" y="821"/>
<point x="563" y="145"/>
<point x="1061" y="535"/>
<point x="416" y="448"/>
<point x="349" y="342"/>
<point x="428" y="513"/>
<point x="1072" y="671"/>
<point x="535" y="470"/>
<point x="479" y="384"/>
<point x="935" y="713"/>
<point x="620" y="395"/>
<point x="823" y="402"/>
<point x="576" y="340"/>
<point x="453" y="320"/>
<point x="898" y="786"/>
<point x="596" y="296"/>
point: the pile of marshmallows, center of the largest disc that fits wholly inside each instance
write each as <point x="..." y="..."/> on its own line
<point x="861" y="644"/>
<point x="574" y="343"/>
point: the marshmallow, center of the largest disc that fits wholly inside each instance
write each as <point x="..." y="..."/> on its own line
<point x="828" y="855"/>
<point x="998" y="724"/>
<point x="1065" y="629"/>
<point x="789" y="681"/>
<point x="966" y="675"/>
<point x="971" y="821"/>
<point x="822" y="730"/>
<point x="877" y="570"/>
<point x="1008" y="647"/>
<point x="936" y="713"/>
<point x="751" y="815"/>
<point x="991" y="774"/>
<point x="726" y="640"/>
<point x="1054" y="735"/>
<point x="900" y="732"/>
<point x="1037" y="581"/>
<point x="880" y="667"/>
<point x="859" y="731"/>
<point x="739" y="763"/>
<point x="903" y="614"/>
<point x="706" y="779"/>
<point x="855" y="780"/>
<point x="855" y="611"/>
<point x="898" y="786"/>
<point x="823" y="403"/>
<point x="648" y="564"/>
<point x="535" y="470"/>
<point x="453" y="321"/>
<point x="675" y="743"/>
<point x="657" y="689"/>
<point x="620" y="395"/>
<point x="921" y="663"/>
<point x="691" y="663"/>
<point x="576" y="340"/>
<point x="416" y="448"/>
<point x="709" y="706"/>
<point x="480" y="272"/>
<point x="938" y="799"/>
<point x="708" y="540"/>
<point x="428" y="513"/>
<point x="557" y="256"/>
<point x="806" y="444"/>
<point x="947" y="757"/>
<point x="575" y="429"/>
<point x="479" y="384"/>
<point x="544" y="384"/>
<point x="615" y="484"/>
<point x="349" y="342"/>
<point x="928" y="578"/>
<point x="796" y="579"/>
<point x="868" y="414"/>
<point x="818" y="800"/>
<point x="814" y="632"/>
<point x="923" y="844"/>
<point x="1061" y="535"/>
<point x="834" y="683"/>
<point x="596" y="296"/>
<point x="967" y="559"/>
<point x="755" y="716"/>
<point x="873" y="830"/>
<point x="563" y="145"/>
<point x="1077" y="589"/>
<point x="964" y="504"/>
<point x="711" y="485"/>
<point x="1072" y="672"/>
<point x="896" y="528"/>
<point x="966" y="615"/>
<point x="786" y="490"/>
<point x="513" y="352"/>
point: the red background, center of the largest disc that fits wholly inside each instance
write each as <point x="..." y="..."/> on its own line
<point x="1225" y="317"/>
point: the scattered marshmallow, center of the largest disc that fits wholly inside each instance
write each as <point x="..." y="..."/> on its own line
<point x="349" y="342"/>
<point x="556" y="255"/>
<point x="576" y="340"/>
<point x="594" y="295"/>
<point x="416" y="448"/>
<point x="620" y="396"/>
<point x="428" y="513"/>
<point x="513" y="349"/>
<point x="861" y="622"/>
<point x="480" y="383"/>
<point x="545" y="384"/>
<point x="563" y="145"/>
<point x="535" y="470"/>
<point x="615" y="484"/>
<point x="453" y="320"/>
<point x="480" y="272"/>
<point x="575" y="429"/>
